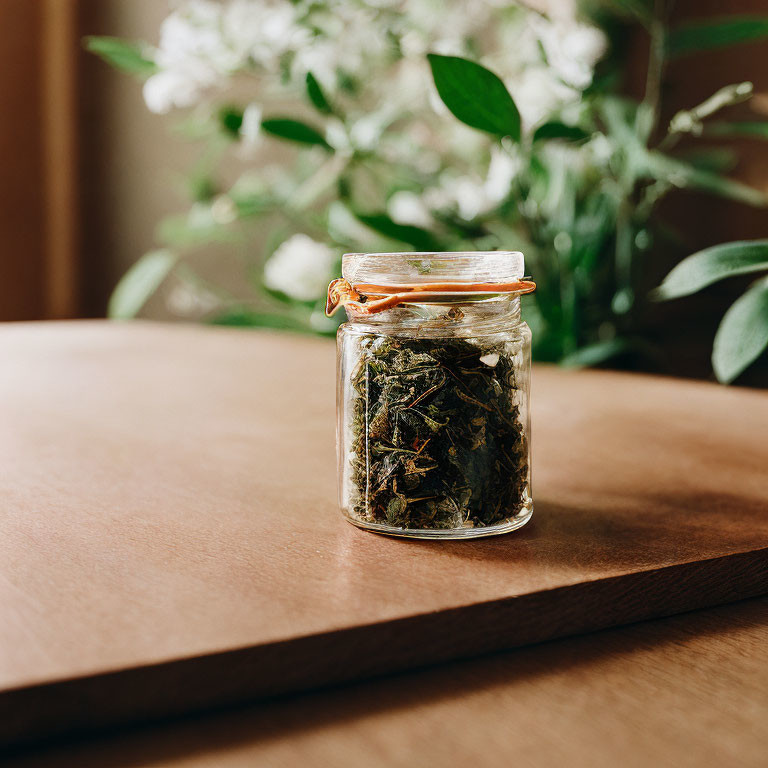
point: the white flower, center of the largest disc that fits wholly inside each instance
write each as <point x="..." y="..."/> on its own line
<point x="346" y="37"/>
<point x="366" y="132"/>
<point x="260" y="31"/>
<point x="413" y="44"/>
<point x="408" y="208"/>
<point x="337" y="136"/>
<point x="320" y="58"/>
<point x="168" y="89"/>
<point x="300" y="268"/>
<point x="411" y="80"/>
<point x="191" y="35"/>
<point x="472" y="196"/>
<point x="501" y="173"/>
<point x="250" y="128"/>
<point x="184" y="58"/>
<point x="600" y="149"/>
<point x="448" y="24"/>
<point x="572" y="49"/>
<point x="538" y="92"/>
<point x="469" y="197"/>
<point x="449" y="46"/>
<point x="203" y="43"/>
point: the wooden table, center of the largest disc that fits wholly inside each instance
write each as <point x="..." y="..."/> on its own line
<point x="691" y="690"/>
<point x="171" y="542"/>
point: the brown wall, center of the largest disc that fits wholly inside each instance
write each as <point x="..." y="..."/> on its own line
<point x="38" y="146"/>
<point x="707" y="220"/>
<point x="132" y="166"/>
<point x="22" y="191"/>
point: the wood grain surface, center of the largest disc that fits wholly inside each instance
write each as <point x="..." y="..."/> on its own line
<point x="171" y="540"/>
<point x="691" y="690"/>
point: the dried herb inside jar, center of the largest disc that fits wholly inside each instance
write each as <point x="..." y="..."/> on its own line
<point x="437" y="439"/>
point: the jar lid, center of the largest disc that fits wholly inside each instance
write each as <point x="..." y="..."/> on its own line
<point x="429" y="267"/>
<point x="374" y="282"/>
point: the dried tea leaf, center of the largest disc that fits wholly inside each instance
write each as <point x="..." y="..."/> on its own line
<point x="437" y="435"/>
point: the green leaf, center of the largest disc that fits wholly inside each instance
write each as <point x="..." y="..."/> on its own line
<point x="713" y="159"/>
<point x="121" y="54"/>
<point x="202" y="187"/>
<point x="139" y="283"/>
<point x="743" y="333"/>
<point x="640" y="10"/>
<point x="712" y="264"/>
<point x="293" y="130"/>
<point x="231" y="120"/>
<point x="724" y="187"/>
<point x="406" y="233"/>
<point x="557" y="130"/>
<point x="594" y="354"/>
<point x="681" y="174"/>
<point x="695" y="36"/>
<point x="316" y="95"/>
<point x="475" y="95"/>
<point x="252" y="205"/>
<point x="196" y="227"/>
<point x="243" y="317"/>
<point x="757" y="130"/>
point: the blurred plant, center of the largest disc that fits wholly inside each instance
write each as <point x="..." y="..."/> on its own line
<point x="743" y="333"/>
<point x="558" y="164"/>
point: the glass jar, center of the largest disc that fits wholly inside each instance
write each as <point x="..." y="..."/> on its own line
<point x="433" y="431"/>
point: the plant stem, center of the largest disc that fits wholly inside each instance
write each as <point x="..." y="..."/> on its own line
<point x="649" y="109"/>
<point x="690" y="121"/>
<point x="656" y="62"/>
<point x="624" y="246"/>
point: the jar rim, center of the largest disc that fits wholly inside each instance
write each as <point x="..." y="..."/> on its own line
<point x="395" y="268"/>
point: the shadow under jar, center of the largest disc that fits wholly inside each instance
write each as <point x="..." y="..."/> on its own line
<point x="433" y="431"/>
